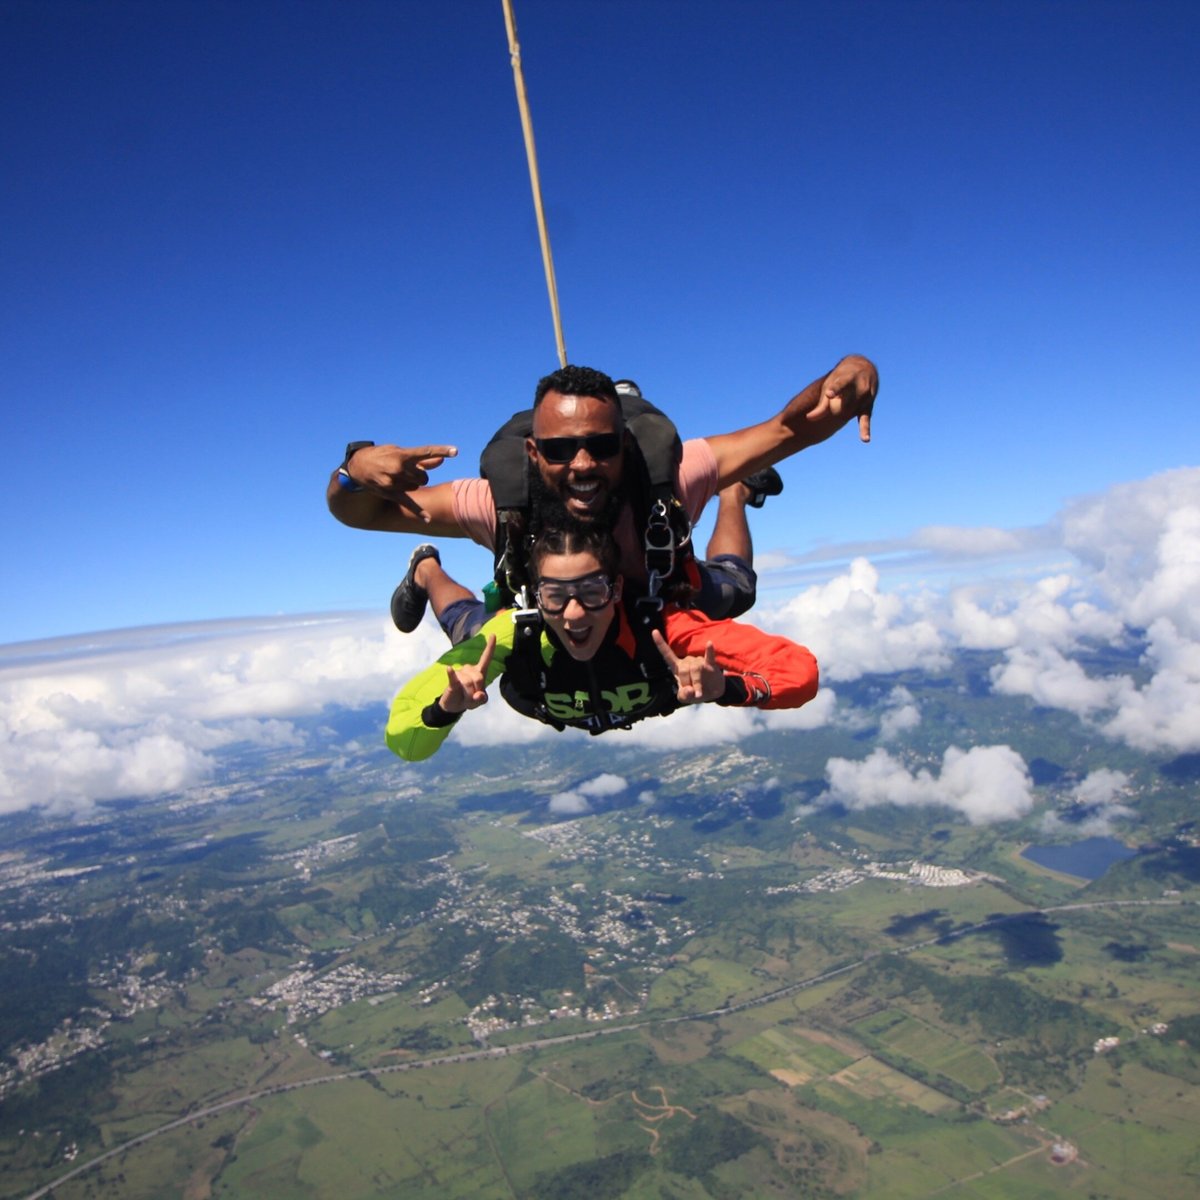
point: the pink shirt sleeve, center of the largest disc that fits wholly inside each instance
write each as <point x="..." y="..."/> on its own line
<point x="696" y="480"/>
<point x="474" y="510"/>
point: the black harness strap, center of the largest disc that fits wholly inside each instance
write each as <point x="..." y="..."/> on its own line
<point x="526" y="676"/>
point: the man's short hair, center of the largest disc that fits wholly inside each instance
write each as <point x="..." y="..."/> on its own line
<point x="577" y="381"/>
<point x="577" y="539"/>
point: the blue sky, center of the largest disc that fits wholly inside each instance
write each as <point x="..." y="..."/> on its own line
<point x="236" y="235"/>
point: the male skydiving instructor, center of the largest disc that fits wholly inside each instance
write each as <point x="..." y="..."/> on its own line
<point x="578" y="454"/>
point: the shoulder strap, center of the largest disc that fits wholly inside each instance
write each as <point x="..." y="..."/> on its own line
<point x="523" y="684"/>
<point x="644" y="620"/>
<point x="657" y="440"/>
<point x="504" y="463"/>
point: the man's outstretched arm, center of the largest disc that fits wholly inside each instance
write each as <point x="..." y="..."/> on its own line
<point x="386" y="488"/>
<point x="811" y="416"/>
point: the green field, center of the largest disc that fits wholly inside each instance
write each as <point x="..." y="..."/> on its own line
<point x="639" y="1003"/>
<point x="932" y="1047"/>
<point x="791" y="1057"/>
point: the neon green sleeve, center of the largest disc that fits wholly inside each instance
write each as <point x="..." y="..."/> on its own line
<point x="407" y="735"/>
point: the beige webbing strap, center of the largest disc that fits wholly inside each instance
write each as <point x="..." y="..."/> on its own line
<point x="514" y="50"/>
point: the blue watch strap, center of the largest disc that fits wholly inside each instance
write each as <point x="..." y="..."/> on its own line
<point x="346" y="483"/>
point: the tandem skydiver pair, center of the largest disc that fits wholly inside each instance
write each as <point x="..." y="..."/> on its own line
<point x="594" y="482"/>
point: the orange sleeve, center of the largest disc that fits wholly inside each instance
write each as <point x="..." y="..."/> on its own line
<point x="777" y="672"/>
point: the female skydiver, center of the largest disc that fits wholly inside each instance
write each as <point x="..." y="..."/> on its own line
<point x="594" y="660"/>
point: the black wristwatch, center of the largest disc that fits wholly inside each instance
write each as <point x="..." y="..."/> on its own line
<point x="345" y="482"/>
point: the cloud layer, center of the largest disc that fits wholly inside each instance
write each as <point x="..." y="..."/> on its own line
<point x="142" y="712"/>
<point x="1134" y="576"/>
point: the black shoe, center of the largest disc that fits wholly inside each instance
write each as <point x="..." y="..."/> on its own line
<point x="409" y="600"/>
<point x="762" y="484"/>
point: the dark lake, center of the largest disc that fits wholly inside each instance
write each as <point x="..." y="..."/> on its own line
<point x="1088" y="859"/>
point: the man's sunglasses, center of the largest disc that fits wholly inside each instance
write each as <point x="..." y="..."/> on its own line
<point x="592" y="591"/>
<point x="563" y="449"/>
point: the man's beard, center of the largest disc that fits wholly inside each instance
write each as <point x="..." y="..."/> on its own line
<point x="548" y="510"/>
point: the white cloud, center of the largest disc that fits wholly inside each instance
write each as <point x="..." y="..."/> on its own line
<point x="1141" y="542"/>
<point x="1053" y="680"/>
<point x="901" y="713"/>
<point x="1134" y="569"/>
<point x="138" y="713"/>
<point x="603" y="785"/>
<point x="978" y="628"/>
<point x="853" y="627"/>
<point x="1054" y="611"/>
<point x="771" y="560"/>
<point x="141" y="715"/>
<point x="1170" y="592"/>
<point x="690" y="727"/>
<point x="960" y="540"/>
<point x="75" y="766"/>
<point x="569" y="804"/>
<point x="821" y="710"/>
<point x="942" y="553"/>
<point x="1100" y="823"/>
<point x="1097" y="793"/>
<point x="1100" y="787"/>
<point x="985" y="783"/>
<point x="1165" y="713"/>
<point x="495" y="724"/>
<point x="1135" y="573"/>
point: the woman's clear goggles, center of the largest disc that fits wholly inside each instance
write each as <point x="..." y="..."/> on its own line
<point x="592" y="591"/>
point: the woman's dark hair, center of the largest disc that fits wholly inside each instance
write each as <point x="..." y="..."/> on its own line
<point x="582" y="539"/>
